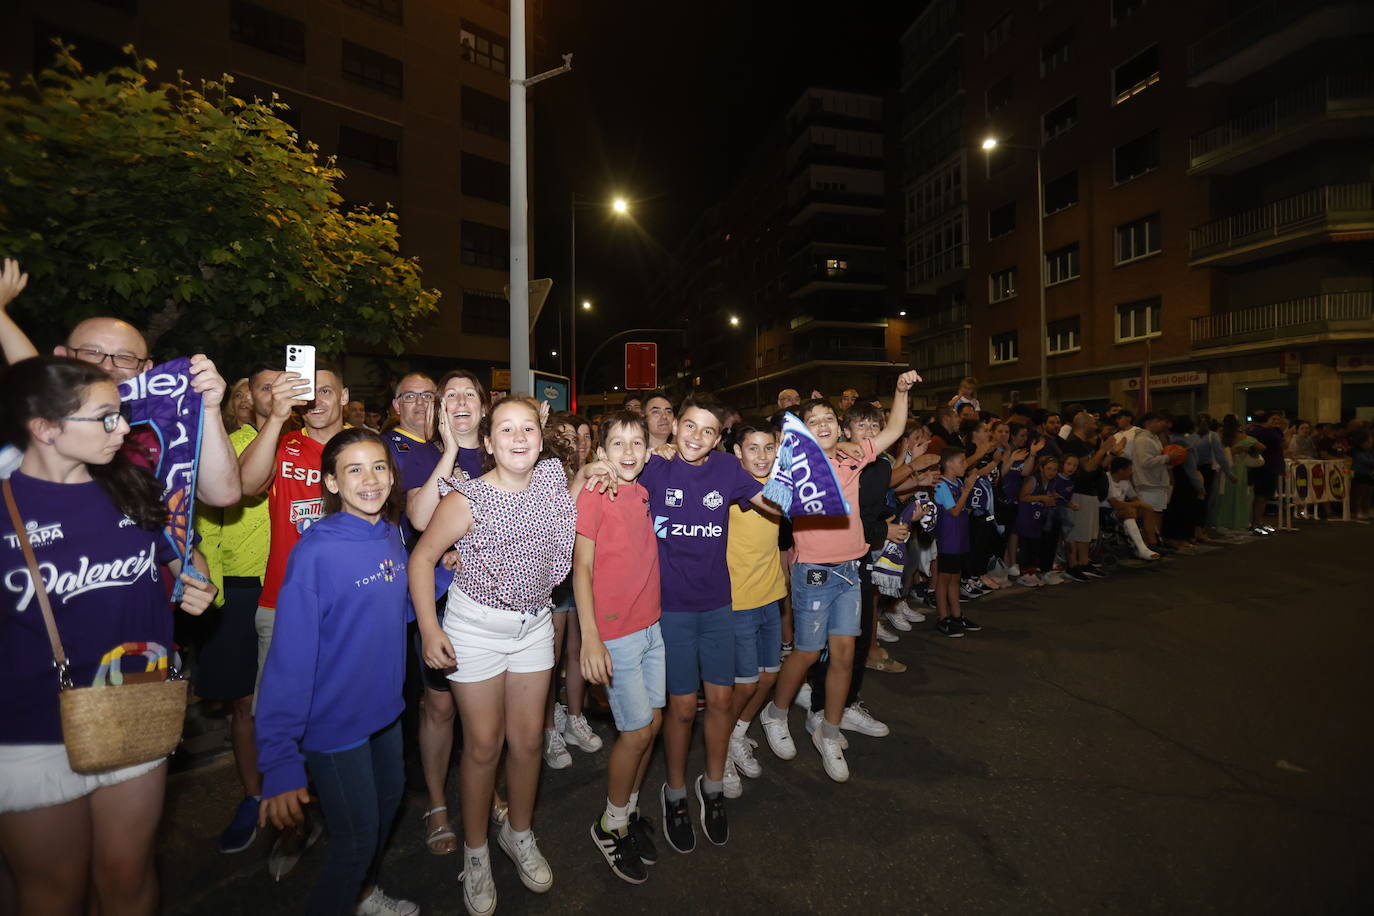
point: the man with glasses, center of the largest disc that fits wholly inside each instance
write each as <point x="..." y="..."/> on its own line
<point x="119" y="348"/>
<point x="412" y="441"/>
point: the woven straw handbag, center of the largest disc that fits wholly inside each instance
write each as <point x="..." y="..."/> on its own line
<point x="110" y="724"/>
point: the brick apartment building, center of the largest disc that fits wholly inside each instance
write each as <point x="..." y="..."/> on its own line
<point x="1206" y="177"/>
<point x="789" y="282"/>
<point x="411" y="95"/>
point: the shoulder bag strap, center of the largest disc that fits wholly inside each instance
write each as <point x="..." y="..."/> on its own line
<point x="59" y="657"/>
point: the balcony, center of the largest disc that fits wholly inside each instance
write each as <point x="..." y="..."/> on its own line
<point x="822" y="154"/>
<point x="803" y="280"/>
<point x="822" y="353"/>
<point x="820" y="200"/>
<point x="1271" y="30"/>
<point x="1305" y="219"/>
<point x="1335" y="106"/>
<point x="1347" y="315"/>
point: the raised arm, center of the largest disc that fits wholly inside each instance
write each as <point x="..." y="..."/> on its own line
<point x="259" y="458"/>
<point x="424" y="499"/>
<point x="217" y="478"/>
<point x="896" y="421"/>
<point x="13" y="340"/>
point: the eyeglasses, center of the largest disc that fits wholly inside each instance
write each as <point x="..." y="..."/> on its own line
<point x="109" y="421"/>
<point x="98" y="357"/>
<point x="410" y="397"/>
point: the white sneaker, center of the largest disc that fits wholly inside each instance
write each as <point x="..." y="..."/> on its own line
<point x="857" y="718"/>
<point x="1053" y="577"/>
<point x="560" y="718"/>
<point x="734" y="788"/>
<point x="1014" y="570"/>
<point x="580" y="735"/>
<point x="908" y="611"/>
<point x="813" y="722"/>
<point x="529" y="861"/>
<point x="832" y="756"/>
<point x="479" y="890"/>
<point x="885" y="634"/>
<point x="556" y="754"/>
<point x="778" y="735"/>
<point x="803" y="697"/>
<point x="742" y="756"/>
<point x="896" y="621"/>
<point x="378" y="903"/>
<point x="1029" y="581"/>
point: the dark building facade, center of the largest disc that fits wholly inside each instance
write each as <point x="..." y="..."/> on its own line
<point x="1205" y="174"/>
<point x="411" y="95"/>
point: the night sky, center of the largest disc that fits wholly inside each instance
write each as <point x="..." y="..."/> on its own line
<point x="665" y="104"/>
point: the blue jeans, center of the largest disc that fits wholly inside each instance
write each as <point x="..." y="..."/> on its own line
<point x="758" y="642"/>
<point x="360" y="792"/>
<point x="638" y="677"/>
<point x="825" y="603"/>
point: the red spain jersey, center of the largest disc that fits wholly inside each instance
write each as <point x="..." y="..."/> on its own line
<point x="294" y="501"/>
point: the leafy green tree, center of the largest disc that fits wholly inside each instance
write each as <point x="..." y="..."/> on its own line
<point x="194" y="215"/>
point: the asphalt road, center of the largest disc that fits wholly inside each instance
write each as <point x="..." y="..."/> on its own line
<point x="1183" y="738"/>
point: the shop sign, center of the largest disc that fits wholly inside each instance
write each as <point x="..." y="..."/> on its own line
<point x="1189" y="378"/>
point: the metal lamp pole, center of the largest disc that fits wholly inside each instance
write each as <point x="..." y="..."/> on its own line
<point x="572" y="300"/>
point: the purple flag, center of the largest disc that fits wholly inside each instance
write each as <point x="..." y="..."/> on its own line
<point x="163" y="401"/>
<point x="803" y="480"/>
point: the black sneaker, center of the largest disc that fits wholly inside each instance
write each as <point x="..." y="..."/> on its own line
<point x="713" y="819"/>
<point x="967" y="625"/>
<point x="618" y="849"/>
<point x="1095" y="571"/>
<point x="1077" y="574"/>
<point x="949" y="626"/>
<point x="969" y="592"/>
<point x="677" y="823"/>
<point x="929" y="600"/>
<point x="642" y="831"/>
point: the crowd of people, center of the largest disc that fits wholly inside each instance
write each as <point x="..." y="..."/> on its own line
<point x="517" y="567"/>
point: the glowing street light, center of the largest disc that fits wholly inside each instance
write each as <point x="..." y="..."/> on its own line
<point x="990" y="143"/>
<point x="621" y="205"/>
<point x="586" y="306"/>
<point x="734" y="321"/>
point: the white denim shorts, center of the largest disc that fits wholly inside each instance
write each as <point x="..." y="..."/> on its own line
<point x="36" y="776"/>
<point x="489" y="641"/>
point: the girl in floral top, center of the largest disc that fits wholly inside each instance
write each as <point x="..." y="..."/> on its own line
<point x="514" y="528"/>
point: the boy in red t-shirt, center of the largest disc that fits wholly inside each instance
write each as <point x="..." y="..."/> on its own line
<point x="616" y="583"/>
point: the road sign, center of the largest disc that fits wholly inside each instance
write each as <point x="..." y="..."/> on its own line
<point x="641" y="366"/>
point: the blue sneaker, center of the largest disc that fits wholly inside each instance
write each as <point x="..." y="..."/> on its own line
<point x="243" y="829"/>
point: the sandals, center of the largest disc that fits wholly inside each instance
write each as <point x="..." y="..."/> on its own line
<point x="887" y="664"/>
<point x="441" y="840"/>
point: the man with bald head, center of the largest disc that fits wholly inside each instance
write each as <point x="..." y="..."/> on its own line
<point x="119" y="348"/>
<point x="788" y="398"/>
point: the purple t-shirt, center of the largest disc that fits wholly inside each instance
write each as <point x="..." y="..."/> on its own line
<point x="414" y="459"/>
<point x="101" y="571"/>
<point x="690" y="505"/>
<point x="470" y="461"/>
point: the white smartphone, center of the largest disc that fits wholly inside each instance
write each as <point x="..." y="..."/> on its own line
<point x="300" y="359"/>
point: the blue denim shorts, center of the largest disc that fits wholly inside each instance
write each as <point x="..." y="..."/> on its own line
<point x="700" y="646"/>
<point x="638" y="673"/>
<point x="758" y="642"/>
<point x="825" y="603"/>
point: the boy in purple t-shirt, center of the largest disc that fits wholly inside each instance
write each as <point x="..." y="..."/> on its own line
<point x="689" y="499"/>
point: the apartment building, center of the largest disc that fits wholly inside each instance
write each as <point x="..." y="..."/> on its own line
<point x="1200" y="174"/>
<point x="411" y="95"/>
<point x="803" y="293"/>
<point x="935" y="215"/>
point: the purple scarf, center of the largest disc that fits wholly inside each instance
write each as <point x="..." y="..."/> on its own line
<point x="803" y="480"/>
<point x="163" y="400"/>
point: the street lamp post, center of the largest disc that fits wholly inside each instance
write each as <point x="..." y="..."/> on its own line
<point x="990" y="144"/>
<point x="621" y="207"/>
<point x="734" y="323"/>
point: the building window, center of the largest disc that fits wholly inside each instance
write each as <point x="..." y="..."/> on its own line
<point x="373" y="69"/>
<point x="1060" y="119"/>
<point x="1133" y="159"/>
<point x="1055" y="55"/>
<point x="1061" y="193"/>
<point x="1061" y="265"/>
<point x="836" y="267"/>
<point x="371" y="150"/>
<point x="390" y="10"/>
<point x="997" y="36"/>
<point x="1137" y="239"/>
<point x="1062" y="336"/>
<point x="937" y="250"/>
<point x="485" y="246"/>
<point x="267" y="30"/>
<point x="935" y="195"/>
<point x="1002" y="284"/>
<point x="486" y="178"/>
<point x="999" y="94"/>
<point x="485" y="49"/>
<point x="1125" y="9"/>
<point x="1135" y="75"/>
<point x="1138" y="320"/>
<point x="1002" y="220"/>
<point x="485" y="313"/>
<point x="485" y="114"/>
<point x="1003" y="348"/>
